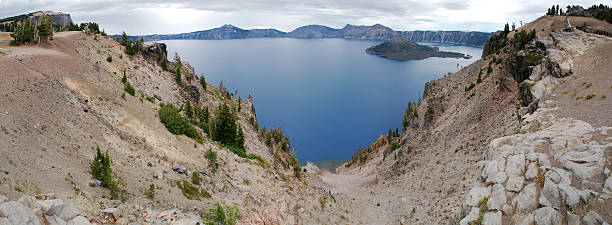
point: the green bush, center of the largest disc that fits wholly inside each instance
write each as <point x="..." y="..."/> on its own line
<point x="469" y="87"/>
<point x="109" y="58"/>
<point x="211" y="156"/>
<point x="257" y="158"/>
<point x="227" y="130"/>
<point x="130" y="89"/>
<point x="223" y="215"/>
<point x="394" y="146"/>
<point x="195" y="178"/>
<point x="295" y="163"/>
<point x="530" y="60"/>
<point x="151" y="192"/>
<point x="175" y="123"/>
<point x="191" y="192"/>
<point x="203" y="82"/>
<point x="100" y="169"/>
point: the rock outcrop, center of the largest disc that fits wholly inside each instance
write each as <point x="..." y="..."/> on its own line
<point x="61" y="19"/>
<point x="554" y="175"/>
<point x="43" y="209"/>
<point x="556" y="54"/>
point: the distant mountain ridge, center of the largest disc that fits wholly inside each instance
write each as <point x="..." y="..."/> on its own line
<point x="375" y="32"/>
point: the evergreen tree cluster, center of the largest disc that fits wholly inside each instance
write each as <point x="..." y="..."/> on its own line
<point x="127" y="86"/>
<point x="170" y="116"/>
<point x="197" y="115"/>
<point x="555" y="11"/>
<point x="100" y="169"/>
<point x="227" y="130"/>
<point x="275" y="137"/>
<point x="602" y="12"/>
<point x="131" y="47"/>
<point x="26" y="32"/>
<point x="410" y="114"/>
<point x="522" y="38"/>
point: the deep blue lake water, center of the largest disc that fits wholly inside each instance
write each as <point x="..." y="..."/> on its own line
<point x="328" y="95"/>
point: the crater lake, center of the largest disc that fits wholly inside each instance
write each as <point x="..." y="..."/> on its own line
<point x="328" y="95"/>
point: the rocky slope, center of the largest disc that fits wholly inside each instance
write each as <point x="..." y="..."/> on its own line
<point x="375" y="32"/>
<point x="497" y="144"/>
<point x="61" y="100"/>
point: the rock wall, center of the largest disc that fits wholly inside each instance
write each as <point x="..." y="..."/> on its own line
<point x="557" y="174"/>
<point x="449" y="37"/>
<point x="61" y="19"/>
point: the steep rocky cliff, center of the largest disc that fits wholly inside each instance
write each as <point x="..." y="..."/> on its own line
<point x="449" y="37"/>
<point x="61" y="19"/>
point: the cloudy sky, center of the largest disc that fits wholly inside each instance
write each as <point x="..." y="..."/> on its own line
<point x="176" y="16"/>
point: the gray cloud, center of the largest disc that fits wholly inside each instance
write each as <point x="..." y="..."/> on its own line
<point x="173" y="16"/>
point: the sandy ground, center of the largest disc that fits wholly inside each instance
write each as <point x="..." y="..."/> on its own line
<point x="592" y="74"/>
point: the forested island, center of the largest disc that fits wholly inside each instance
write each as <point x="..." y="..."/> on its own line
<point x="402" y="48"/>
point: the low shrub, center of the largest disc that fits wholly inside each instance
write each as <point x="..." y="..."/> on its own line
<point x="590" y="96"/>
<point x="150" y="193"/>
<point x="191" y="192"/>
<point x="211" y="156"/>
<point x="195" y="178"/>
<point x="175" y="123"/>
<point x="109" y="58"/>
<point x="469" y="87"/>
<point x="257" y="158"/>
<point x="223" y="214"/>
<point x="100" y="169"/>
<point x="129" y="89"/>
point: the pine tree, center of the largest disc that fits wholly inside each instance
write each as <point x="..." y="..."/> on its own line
<point x="203" y="82"/>
<point x="125" y="41"/>
<point x="188" y="110"/>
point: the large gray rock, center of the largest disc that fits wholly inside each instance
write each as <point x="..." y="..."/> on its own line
<point x="79" y="220"/>
<point x="532" y="171"/>
<point x="592" y="218"/>
<point x="56" y="207"/>
<point x="543" y="87"/>
<point x="526" y="199"/>
<point x="55" y="220"/>
<point x="5" y="221"/>
<point x="492" y="218"/>
<point x="16" y="213"/>
<point x="584" y="164"/>
<point x="570" y="195"/>
<point x="549" y="196"/>
<point x="547" y="216"/>
<point x="179" y="168"/>
<point x="114" y="212"/>
<point x="515" y="165"/>
<point x="515" y="183"/>
<point x="498" y="198"/>
<point x="473" y="215"/>
<point x="528" y="220"/>
<point x="572" y="219"/>
<point x="607" y="190"/>
<point x="476" y="194"/>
